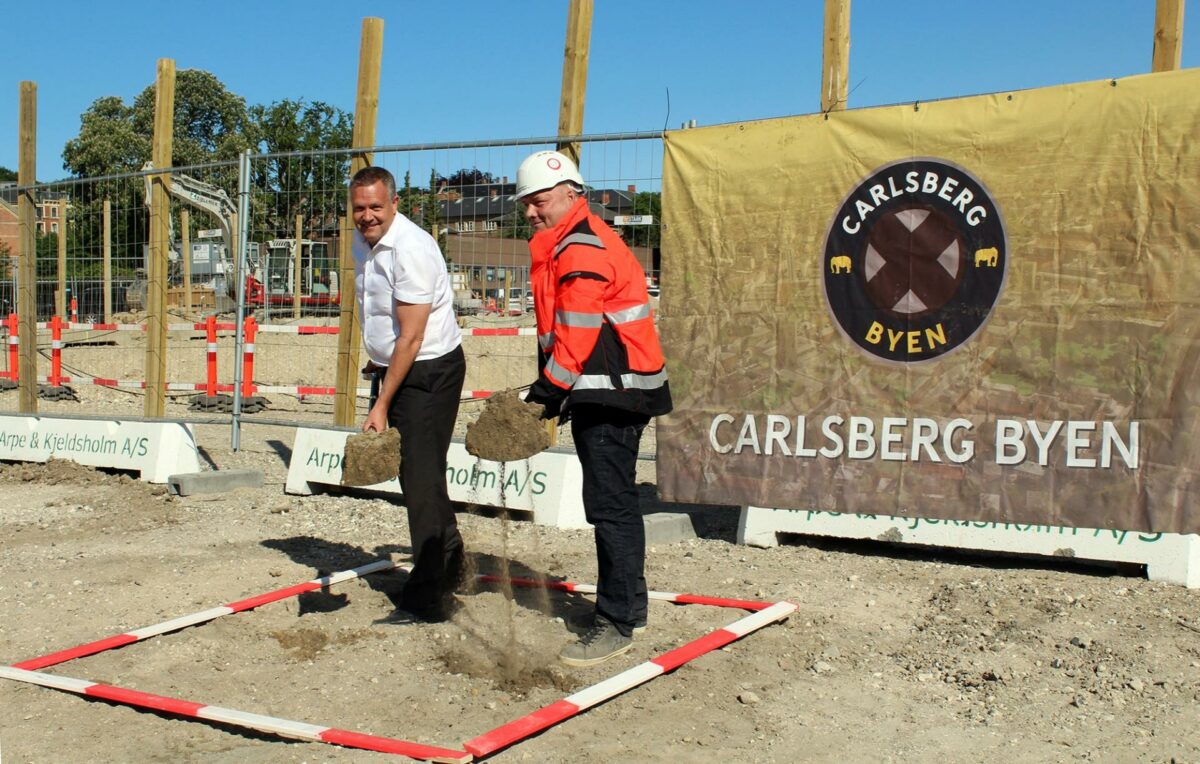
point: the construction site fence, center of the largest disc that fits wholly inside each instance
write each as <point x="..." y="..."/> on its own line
<point x="93" y="250"/>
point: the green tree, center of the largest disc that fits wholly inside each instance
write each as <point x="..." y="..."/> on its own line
<point x="431" y="218"/>
<point x="7" y="174"/>
<point x="470" y="176"/>
<point x="210" y="124"/>
<point x="314" y="186"/>
<point x="647" y="203"/>
<point x="108" y="143"/>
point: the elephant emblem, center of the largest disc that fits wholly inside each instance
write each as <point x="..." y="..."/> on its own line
<point x="839" y="264"/>
<point x="986" y="256"/>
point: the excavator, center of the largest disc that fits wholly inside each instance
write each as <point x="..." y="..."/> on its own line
<point x="270" y="273"/>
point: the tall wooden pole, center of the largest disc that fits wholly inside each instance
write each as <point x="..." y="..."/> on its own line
<point x="1168" y="35"/>
<point x="366" y="109"/>
<point x="160" y="232"/>
<point x="60" y="295"/>
<point x="574" y="77"/>
<point x="27" y="269"/>
<point x="106" y="263"/>
<point x="297" y="261"/>
<point x="835" y="63"/>
<point x="185" y="254"/>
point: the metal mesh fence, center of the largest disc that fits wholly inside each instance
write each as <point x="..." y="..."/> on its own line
<point x="93" y="249"/>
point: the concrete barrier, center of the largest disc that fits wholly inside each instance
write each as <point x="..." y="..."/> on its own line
<point x="155" y="450"/>
<point x="549" y="484"/>
<point x="1169" y="557"/>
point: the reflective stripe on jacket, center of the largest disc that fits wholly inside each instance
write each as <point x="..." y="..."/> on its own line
<point x="596" y="335"/>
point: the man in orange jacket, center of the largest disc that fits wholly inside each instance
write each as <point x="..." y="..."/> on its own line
<point x="600" y="367"/>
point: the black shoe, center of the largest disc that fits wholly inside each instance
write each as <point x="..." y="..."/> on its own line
<point x="403" y="616"/>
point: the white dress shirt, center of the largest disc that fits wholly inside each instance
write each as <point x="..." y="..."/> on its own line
<point x="407" y="266"/>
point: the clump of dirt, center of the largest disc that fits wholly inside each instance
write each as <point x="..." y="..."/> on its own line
<point x="508" y="429"/>
<point x="371" y="457"/>
<point x="514" y="671"/>
<point x="53" y="472"/>
<point x="304" y="644"/>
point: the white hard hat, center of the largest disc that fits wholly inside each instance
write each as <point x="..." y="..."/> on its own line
<point x="543" y="170"/>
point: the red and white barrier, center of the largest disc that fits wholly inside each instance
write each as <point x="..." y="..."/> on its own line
<point x="210" y="327"/>
<point x="175" y="624"/>
<point x="679" y="599"/>
<point x="482" y="745"/>
<point x="564" y="709"/>
<point x="271" y="724"/>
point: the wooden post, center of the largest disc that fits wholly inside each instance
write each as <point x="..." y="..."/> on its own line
<point x="60" y="296"/>
<point x="185" y="254"/>
<point x="106" y="263"/>
<point x="574" y="77"/>
<point x="370" y="63"/>
<point x="1168" y="35"/>
<point x="27" y="268"/>
<point x="835" y="64"/>
<point x="297" y="260"/>
<point x="160" y="212"/>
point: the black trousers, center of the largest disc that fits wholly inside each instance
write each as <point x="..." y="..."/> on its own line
<point x="424" y="410"/>
<point x="606" y="440"/>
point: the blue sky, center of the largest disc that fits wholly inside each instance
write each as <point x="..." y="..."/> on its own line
<point x="473" y="70"/>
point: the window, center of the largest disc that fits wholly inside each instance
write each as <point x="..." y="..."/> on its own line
<point x="491" y="273"/>
<point x="500" y="274"/>
<point x="490" y="225"/>
<point x="466" y="226"/>
<point x="54" y="211"/>
<point x="54" y="227"/>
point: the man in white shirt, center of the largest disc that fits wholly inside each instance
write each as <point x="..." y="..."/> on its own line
<point x="406" y="307"/>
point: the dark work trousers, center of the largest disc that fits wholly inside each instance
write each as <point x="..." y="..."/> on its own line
<point x="606" y="440"/>
<point x="424" y="410"/>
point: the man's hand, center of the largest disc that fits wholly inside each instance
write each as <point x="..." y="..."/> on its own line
<point x="551" y="397"/>
<point x="376" y="420"/>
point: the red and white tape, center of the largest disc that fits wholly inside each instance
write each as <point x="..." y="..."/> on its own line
<point x="561" y="710"/>
<point x="75" y="326"/>
<point x="175" y="624"/>
<point x="271" y="724"/>
<point x="679" y="599"/>
<point x="483" y="745"/>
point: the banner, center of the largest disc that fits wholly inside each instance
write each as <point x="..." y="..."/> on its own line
<point x="985" y="308"/>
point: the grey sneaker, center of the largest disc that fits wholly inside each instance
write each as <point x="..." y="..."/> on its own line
<point x="601" y="642"/>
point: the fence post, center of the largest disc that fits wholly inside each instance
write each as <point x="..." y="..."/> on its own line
<point x="185" y="253"/>
<point x="574" y="77"/>
<point x="160" y="212"/>
<point x="370" y="63"/>
<point x="297" y="261"/>
<point x="27" y="283"/>
<point x="241" y="238"/>
<point x="835" y="66"/>
<point x="60" y="297"/>
<point x="107" y="260"/>
<point x="1168" y="35"/>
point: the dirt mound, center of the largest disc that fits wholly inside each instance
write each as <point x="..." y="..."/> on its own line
<point x="509" y="429"/>
<point x="371" y="457"/>
<point x="55" y="472"/>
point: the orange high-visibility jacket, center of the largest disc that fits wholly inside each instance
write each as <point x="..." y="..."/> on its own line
<point x="596" y="332"/>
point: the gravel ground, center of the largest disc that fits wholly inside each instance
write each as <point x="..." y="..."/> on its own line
<point x="895" y="654"/>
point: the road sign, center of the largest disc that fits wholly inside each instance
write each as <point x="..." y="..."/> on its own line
<point x="633" y="220"/>
<point x="208" y="233"/>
